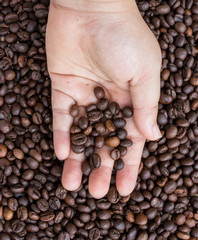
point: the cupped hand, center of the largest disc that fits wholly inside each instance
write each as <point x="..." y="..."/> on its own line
<point x="107" y="46"/>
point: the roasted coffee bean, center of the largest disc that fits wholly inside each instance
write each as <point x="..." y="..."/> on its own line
<point x="114" y="108"/>
<point x="119" y="123"/>
<point x="83" y="122"/>
<point x="110" y="126"/>
<point x="127" y="112"/>
<point x="102" y="104"/>
<point x="119" y="164"/>
<point x="122" y="134"/>
<point x="95" y="161"/>
<point x="115" y="154"/>
<point x="79" y="139"/>
<point x="100" y="128"/>
<point x="99" y="92"/>
<point x="74" y="111"/>
<point x="99" y="142"/>
<point x="112" y="141"/>
<point x="126" y="143"/>
<point x="77" y="148"/>
<point x="94" y="116"/>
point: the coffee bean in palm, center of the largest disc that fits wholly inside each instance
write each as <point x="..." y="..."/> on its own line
<point x="119" y="123"/>
<point x="88" y="130"/>
<point x="122" y="134"/>
<point x="94" y="116"/>
<point x="119" y="164"/>
<point x="112" y="141"/>
<point x="127" y="112"/>
<point x="114" y="108"/>
<point x="122" y="150"/>
<point x="115" y="154"/>
<point x="126" y="143"/>
<point x="86" y="169"/>
<point x="83" y="122"/>
<point x="110" y="126"/>
<point x="95" y="161"/>
<point x="77" y="148"/>
<point x="78" y="139"/>
<point x="99" y="142"/>
<point x="89" y="151"/>
<point x="74" y="111"/>
<point x="102" y="104"/>
<point x="99" y="92"/>
<point x="100" y="128"/>
<point x="75" y="129"/>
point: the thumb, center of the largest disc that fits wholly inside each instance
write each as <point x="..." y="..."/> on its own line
<point x="145" y="94"/>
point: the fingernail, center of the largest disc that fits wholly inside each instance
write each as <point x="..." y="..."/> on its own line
<point x="156" y="132"/>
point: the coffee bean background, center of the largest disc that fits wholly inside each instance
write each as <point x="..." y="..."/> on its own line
<point x="33" y="204"/>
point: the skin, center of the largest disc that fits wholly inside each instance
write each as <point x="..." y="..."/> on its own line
<point x="108" y="44"/>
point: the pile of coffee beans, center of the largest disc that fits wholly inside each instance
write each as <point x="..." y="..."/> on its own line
<point x="103" y="125"/>
<point x="33" y="203"/>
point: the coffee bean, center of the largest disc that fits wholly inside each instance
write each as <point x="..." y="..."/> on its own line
<point x="100" y="128"/>
<point x="163" y="9"/>
<point x="112" y="141"/>
<point x="94" y="116"/>
<point x="86" y="168"/>
<point x="99" y="142"/>
<point x="141" y="219"/>
<point x="18" y="153"/>
<point x="77" y="148"/>
<point x="74" y="111"/>
<point x="8" y="214"/>
<point x="99" y="92"/>
<point x="95" y="161"/>
<point x="3" y="151"/>
<point x="102" y="104"/>
<point x="126" y="143"/>
<point x="119" y="123"/>
<point x="79" y="139"/>
<point x="83" y="122"/>
<point x="127" y="112"/>
<point x="47" y="216"/>
<point x="115" y="154"/>
<point x="119" y="164"/>
<point x="114" y="108"/>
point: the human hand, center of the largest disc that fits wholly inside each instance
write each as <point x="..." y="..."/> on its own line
<point x="106" y="44"/>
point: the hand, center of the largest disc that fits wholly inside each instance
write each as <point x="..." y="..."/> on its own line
<point x="102" y="44"/>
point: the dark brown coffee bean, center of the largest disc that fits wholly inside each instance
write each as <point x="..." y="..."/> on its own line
<point x="141" y="219"/>
<point x="79" y="139"/>
<point x="100" y="128"/>
<point x="99" y="92"/>
<point x="95" y="161"/>
<point x="126" y="143"/>
<point x="86" y="168"/>
<point x="77" y="148"/>
<point x="115" y="154"/>
<point x="94" y="116"/>
<point x="119" y="123"/>
<point x="119" y="164"/>
<point x="47" y="216"/>
<point x="127" y="112"/>
<point x="99" y="142"/>
<point x="114" y="108"/>
<point x="83" y="122"/>
<point x="102" y="104"/>
<point x="163" y="9"/>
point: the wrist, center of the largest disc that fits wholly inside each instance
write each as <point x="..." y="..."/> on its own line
<point x="96" y="6"/>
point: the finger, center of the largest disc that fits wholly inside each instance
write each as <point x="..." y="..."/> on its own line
<point x="126" y="178"/>
<point x="145" y="94"/>
<point x="62" y="121"/>
<point x="72" y="171"/>
<point x="99" y="179"/>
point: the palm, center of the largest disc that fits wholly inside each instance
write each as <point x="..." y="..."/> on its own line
<point x="80" y="57"/>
